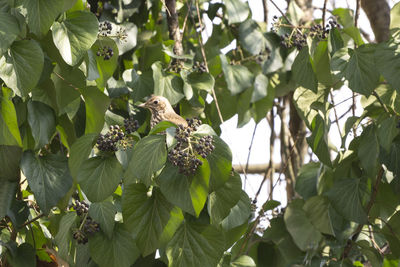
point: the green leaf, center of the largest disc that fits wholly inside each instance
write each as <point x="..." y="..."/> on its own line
<point x="79" y="152"/>
<point x="237" y="77"/>
<point x="161" y="127"/>
<point x="153" y="151"/>
<point x="145" y="216"/>
<point x="317" y="210"/>
<point x="48" y="177"/>
<point x="104" y="213"/>
<point x="141" y="84"/>
<point x="391" y="159"/>
<point x="387" y="58"/>
<point x="220" y="161"/>
<point x="41" y="119"/>
<point x="96" y="104"/>
<point x="251" y="37"/>
<point x="261" y="83"/>
<point x="304" y="234"/>
<point x="335" y="40"/>
<point x="175" y="220"/>
<point x="75" y="35"/>
<point x="25" y="256"/>
<point x="41" y="14"/>
<point x="7" y="195"/>
<point x="391" y="230"/>
<point x="167" y="85"/>
<point x="322" y="63"/>
<point x="357" y="67"/>
<point x="346" y="196"/>
<point x="99" y="177"/>
<point x="20" y="69"/>
<point x="303" y="99"/>
<point x="223" y="199"/>
<point x="119" y="251"/>
<point x="307" y="179"/>
<point x="9" y="31"/>
<point x="354" y="33"/>
<point x="237" y="11"/>
<point x="10" y="157"/>
<point x="9" y="131"/>
<point x="368" y="150"/>
<point x="192" y="190"/>
<point x="317" y="140"/>
<point x="243" y="261"/>
<point x="303" y="72"/>
<point x="64" y="234"/>
<point x="394" y="16"/>
<point x="105" y="67"/>
<point x="195" y="246"/>
<point x="201" y="81"/>
<point x="239" y="214"/>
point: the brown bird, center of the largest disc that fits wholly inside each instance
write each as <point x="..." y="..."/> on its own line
<point x="161" y="110"/>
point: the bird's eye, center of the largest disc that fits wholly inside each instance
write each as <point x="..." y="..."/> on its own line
<point x="155" y="102"/>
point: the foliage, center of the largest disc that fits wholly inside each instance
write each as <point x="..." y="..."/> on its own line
<point x="64" y="81"/>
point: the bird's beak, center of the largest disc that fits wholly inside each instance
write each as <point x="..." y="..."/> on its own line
<point x="143" y="105"/>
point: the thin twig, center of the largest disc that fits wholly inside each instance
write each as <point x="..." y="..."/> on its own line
<point x="265" y="8"/>
<point x="380" y="101"/>
<point x="324" y="13"/>
<point x="203" y="53"/>
<point x="334" y="112"/>
<point x="248" y="155"/>
<point x="32" y="220"/>
<point x="69" y="84"/>
<point x="357" y="15"/>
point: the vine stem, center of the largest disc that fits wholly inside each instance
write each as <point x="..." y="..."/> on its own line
<point x="324" y="13"/>
<point x="334" y="112"/>
<point x="32" y="220"/>
<point x="248" y="155"/>
<point x="203" y="53"/>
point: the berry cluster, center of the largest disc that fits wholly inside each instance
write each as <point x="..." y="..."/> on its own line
<point x="106" y="52"/>
<point x="130" y="125"/>
<point x="200" y="67"/>
<point x="109" y="141"/>
<point x="105" y="28"/>
<point x="87" y="225"/>
<point x="189" y="147"/>
<point x="296" y="39"/>
<point x="316" y="31"/>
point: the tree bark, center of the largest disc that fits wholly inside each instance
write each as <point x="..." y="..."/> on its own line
<point x="378" y="13"/>
<point x="173" y="26"/>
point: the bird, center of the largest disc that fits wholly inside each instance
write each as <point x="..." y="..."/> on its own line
<point x="161" y="110"/>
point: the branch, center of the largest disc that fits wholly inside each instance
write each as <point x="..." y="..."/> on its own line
<point x="173" y="26"/>
<point x="265" y="8"/>
<point x="32" y="220"/>
<point x="378" y="13"/>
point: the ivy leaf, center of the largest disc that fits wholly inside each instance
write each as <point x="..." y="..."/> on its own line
<point x="10" y="157"/>
<point x="167" y="85"/>
<point x="345" y="196"/>
<point x="107" y="67"/>
<point x="303" y="72"/>
<point x="317" y="140"/>
<point x="368" y="150"/>
<point x="25" y="256"/>
<point x="335" y="40"/>
<point x="41" y="14"/>
<point x="317" y="210"/>
<point x="79" y="152"/>
<point x="41" y="119"/>
<point x="9" y="133"/>
<point x="104" y="213"/>
<point x="141" y="84"/>
<point x="118" y="251"/>
<point x="387" y="57"/>
<point x="20" y="69"/>
<point x="99" y="177"/>
<point x="64" y="234"/>
<point x="322" y="63"/>
<point x="96" y="104"/>
<point x="391" y="230"/>
<point x="75" y="35"/>
<point x="195" y="246"/>
<point x="304" y="234"/>
<point x="9" y="31"/>
<point x="192" y="190"/>
<point x="145" y="216"/>
<point x="223" y="199"/>
<point x="237" y="11"/>
<point x="357" y="67"/>
<point x="239" y="214"/>
<point x="243" y="261"/>
<point x="8" y="190"/>
<point x="251" y="37"/>
<point x="307" y="179"/>
<point x="48" y="177"/>
<point x="391" y="159"/>
<point x="237" y="77"/>
<point x="151" y="150"/>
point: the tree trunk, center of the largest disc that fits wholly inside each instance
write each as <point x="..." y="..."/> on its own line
<point x="378" y="13"/>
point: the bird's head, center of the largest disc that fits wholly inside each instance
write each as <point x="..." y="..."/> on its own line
<point x="157" y="103"/>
